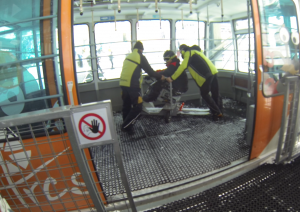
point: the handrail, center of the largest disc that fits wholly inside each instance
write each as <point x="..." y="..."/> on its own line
<point x="33" y="99"/>
<point x="282" y="140"/>
<point x="35" y="116"/>
<point x="28" y="61"/>
<point x="28" y="20"/>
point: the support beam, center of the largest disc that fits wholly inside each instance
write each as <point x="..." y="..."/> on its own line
<point x="205" y="5"/>
<point x="218" y="18"/>
<point x="147" y="12"/>
<point x="235" y="16"/>
<point x="189" y="15"/>
<point x="180" y="7"/>
<point x="150" y="6"/>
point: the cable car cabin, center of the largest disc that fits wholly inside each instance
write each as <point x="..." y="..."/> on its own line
<point x="58" y="54"/>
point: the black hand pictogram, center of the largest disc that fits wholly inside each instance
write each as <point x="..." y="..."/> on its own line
<point x="95" y="126"/>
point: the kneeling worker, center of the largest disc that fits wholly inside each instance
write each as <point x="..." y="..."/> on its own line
<point x="204" y="73"/>
<point x="178" y="85"/>
<point x="130" y="82"/>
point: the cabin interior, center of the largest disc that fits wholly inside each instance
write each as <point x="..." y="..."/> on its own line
<point x="160" y="155"/>
<point x="163" y="155"/>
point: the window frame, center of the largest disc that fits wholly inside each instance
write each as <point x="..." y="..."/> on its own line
<point x="170" y="40"/>
<point x="205" y="32"/>
<point x="99" y="79"/>
<point x="265" y="51"/>
<point x="37" y="60"/>
<point x="244" y="32"/>
<point x="91" y="58"/>
<point x="233" y="44"/>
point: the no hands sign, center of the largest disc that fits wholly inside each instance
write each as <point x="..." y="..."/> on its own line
<point x="92" y="126"/>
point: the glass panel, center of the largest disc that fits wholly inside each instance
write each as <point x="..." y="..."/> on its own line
<point x="15" y="10"/>
<point x="221" y="48"/>
<point x="155" y="35"/>
<point x="242" y="42"/>
<point x="82" y="53"/>
<point x="243" y="24"/>
<point x="27" y="45"/>
<point x="20" y="83"/>
<point x="243" y="52"/>
<point x="113" y="43"/>
<point x="25" y="79"/>
<point x="280" y="40"/>
<point x="187" y="33"/>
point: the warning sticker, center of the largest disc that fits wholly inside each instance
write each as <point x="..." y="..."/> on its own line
<point x="93" y="126"/>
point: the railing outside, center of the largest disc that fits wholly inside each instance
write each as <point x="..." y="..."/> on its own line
<point x="288" y="145"/>
<point x="44" y="165"/>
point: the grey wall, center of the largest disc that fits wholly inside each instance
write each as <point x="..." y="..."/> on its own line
<point x="111" y="90"/>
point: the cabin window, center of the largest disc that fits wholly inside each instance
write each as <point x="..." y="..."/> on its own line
<point x="113" y="44"/>
<point x="190" y="33"/>
<point x="30" y="77"/>
<point x="82" y="53"/>
<point x="242" y="43"/>
<point x="155" y="35"/>
<point x="221" y="48"/>
<point x="280" y="41"/>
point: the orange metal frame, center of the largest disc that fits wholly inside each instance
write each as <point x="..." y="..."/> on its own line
<point x="69" y="71"/>
<point x="54" y="153"/>
<point x="67" y="47"/>
<point x="48" y="50"/>
<point x="268" y="109"/>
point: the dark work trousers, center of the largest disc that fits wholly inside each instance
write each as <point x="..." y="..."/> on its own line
<point x="132" y="106"/>
<point x="214" y="101"/>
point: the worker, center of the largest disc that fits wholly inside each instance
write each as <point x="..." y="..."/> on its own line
<point x="130" y="82"/>
<point x="204" y="73"/>
<point x="180" y="85"/>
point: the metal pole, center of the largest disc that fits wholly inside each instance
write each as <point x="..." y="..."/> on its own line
<point x="296" y="118"/>
<point x="54" y="46"/>
<point x="283" y="122"/>
<point x="198" y="29"/>
<point x="81" y="161"/>
<point x="31" y="100"/>
<point x="171" y="97"/>
<point x="36" y="48"/>
<point x="28" y="61"/>
<point x="249" y="40"/>
<point x="249" y="71"/>
<point x="28" y="20"/>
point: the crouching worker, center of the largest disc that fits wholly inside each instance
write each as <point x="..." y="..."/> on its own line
<point x="130" y="82"/>
<point x="204" y="73"/>
<point x="180" y="85"/>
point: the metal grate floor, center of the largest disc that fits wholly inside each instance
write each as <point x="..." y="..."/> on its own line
<point x="266" y="188"/>
<point x="160" y="153"/>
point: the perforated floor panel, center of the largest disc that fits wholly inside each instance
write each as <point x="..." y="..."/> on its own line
<point x="266" y="188"/>
<point x="162" y="152"/>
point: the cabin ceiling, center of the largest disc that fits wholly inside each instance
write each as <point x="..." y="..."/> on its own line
<point x="167" y="9"/>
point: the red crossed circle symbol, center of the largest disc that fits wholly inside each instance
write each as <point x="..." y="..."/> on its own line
<point x="83" y="121"/>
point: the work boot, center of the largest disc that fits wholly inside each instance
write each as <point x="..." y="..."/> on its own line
<point x="217" y="117"/>
<point x="128" y="130"/>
